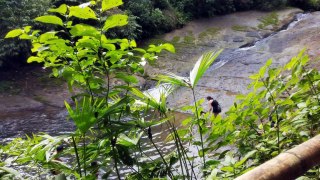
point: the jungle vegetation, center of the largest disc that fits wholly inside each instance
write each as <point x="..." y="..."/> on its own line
<point x="146" y="18"/>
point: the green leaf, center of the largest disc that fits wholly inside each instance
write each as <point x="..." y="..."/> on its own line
<point x="115" y="21"/>
<point x="129" y="141"/>
<point x="84" y="113"/>
<point x="27" y="29"/>
<point x="212" y="162"/>
<point x="14" y="33"/>
<point x="62" y="9"/>
<point x="108" y="4"/>
<point x="82" y="13"/>
<point x="245" y="158"/>
<point x="84" y="30"/>
<point x="174" y="79"/>
<point x="201" y="66"/>
<point x="50" y="20"/>
<point x="127" y="78"/>
<point x="227" y="169"/>
<point x="167" y="46"/>
<point x="34" y="59"/>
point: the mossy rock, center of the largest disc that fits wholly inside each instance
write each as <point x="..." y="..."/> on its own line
<point x="271" y="19"/>
<point x="241" y="28"/>
<point x="209" y="33"/>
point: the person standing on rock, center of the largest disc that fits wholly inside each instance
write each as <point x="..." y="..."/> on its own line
<point x="214" y="106"/>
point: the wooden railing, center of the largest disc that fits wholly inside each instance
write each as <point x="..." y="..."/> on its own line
<point x="288" y="165"/>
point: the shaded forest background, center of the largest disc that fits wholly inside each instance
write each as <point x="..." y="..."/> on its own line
<point x="147" y="18"/>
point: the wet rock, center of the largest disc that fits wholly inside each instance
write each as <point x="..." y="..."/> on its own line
<point x="254" y="34"/>
<point x="17" y="103"/>
<point x="238" y="39"/>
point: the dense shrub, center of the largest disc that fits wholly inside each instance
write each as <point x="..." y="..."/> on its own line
<point x="270" y="5"/>
<point x="306" y="4"/>
<point x="16" y="14"/>
<point x="146" y="17"/>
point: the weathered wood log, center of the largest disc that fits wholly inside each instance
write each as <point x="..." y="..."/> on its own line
<point x="288" y="165"/>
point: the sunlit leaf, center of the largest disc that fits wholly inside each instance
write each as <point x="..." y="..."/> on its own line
<point x="82" y="13"/>
<point x="62" y="9"/>
<point x="115" y="21"/>
<point x="167" y="46"/>
<point x="201" y="66"/>
<point x="35" y="59"/>
<point x="127" y="78"/>
<point x="50" y="20"/>
<point x="108" y="4"/>
<point x="174" y="79"/>
<point x="129" y="141"/>
<point x="14" y="33"/>
<point x="84" y="30"/>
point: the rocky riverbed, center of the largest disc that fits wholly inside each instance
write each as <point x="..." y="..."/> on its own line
<point x="246" y="48"/>
<point x="30" y="99"/>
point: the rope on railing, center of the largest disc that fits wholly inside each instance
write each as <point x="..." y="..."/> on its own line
<point x="288" y="165"/>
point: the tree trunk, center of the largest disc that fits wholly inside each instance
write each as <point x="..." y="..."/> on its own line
<point x="288" y="165"/>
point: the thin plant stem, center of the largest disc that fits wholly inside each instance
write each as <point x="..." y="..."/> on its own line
<point x="178" y="148"/>
<point x="200" y="129"/>
<point x="115" y="162"/>
<point x="164" y="161"/>
<point x="84" y="154"/>
<point x="77" y="156"/>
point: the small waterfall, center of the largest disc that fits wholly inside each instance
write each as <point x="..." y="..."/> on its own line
<point x="299" y="17"/>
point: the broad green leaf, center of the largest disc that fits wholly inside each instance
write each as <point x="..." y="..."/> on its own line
<point x="115" y="21"/>
<point x="108" y="4"/>
<point x="50" y="20"/>
<point x="127" y="78"/>
<point x="62" y="9"/>
<point x="133" y="43"/>
<point x="34" y="59"/>
<point x="14" y="33"/>
<point x="47" y="36"/>
<point x="84" y="30"/>
<point x="25" y="36"/>
<point x="201" y="66"/>
<point x="88" y="42"/>
<point x="82" y="13"/>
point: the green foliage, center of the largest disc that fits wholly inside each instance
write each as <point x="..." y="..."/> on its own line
<point x="15" y="14"/>
<point x="89" y="60"/>
<point x="279" y="113"/>
<point x="306" y="5"/>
